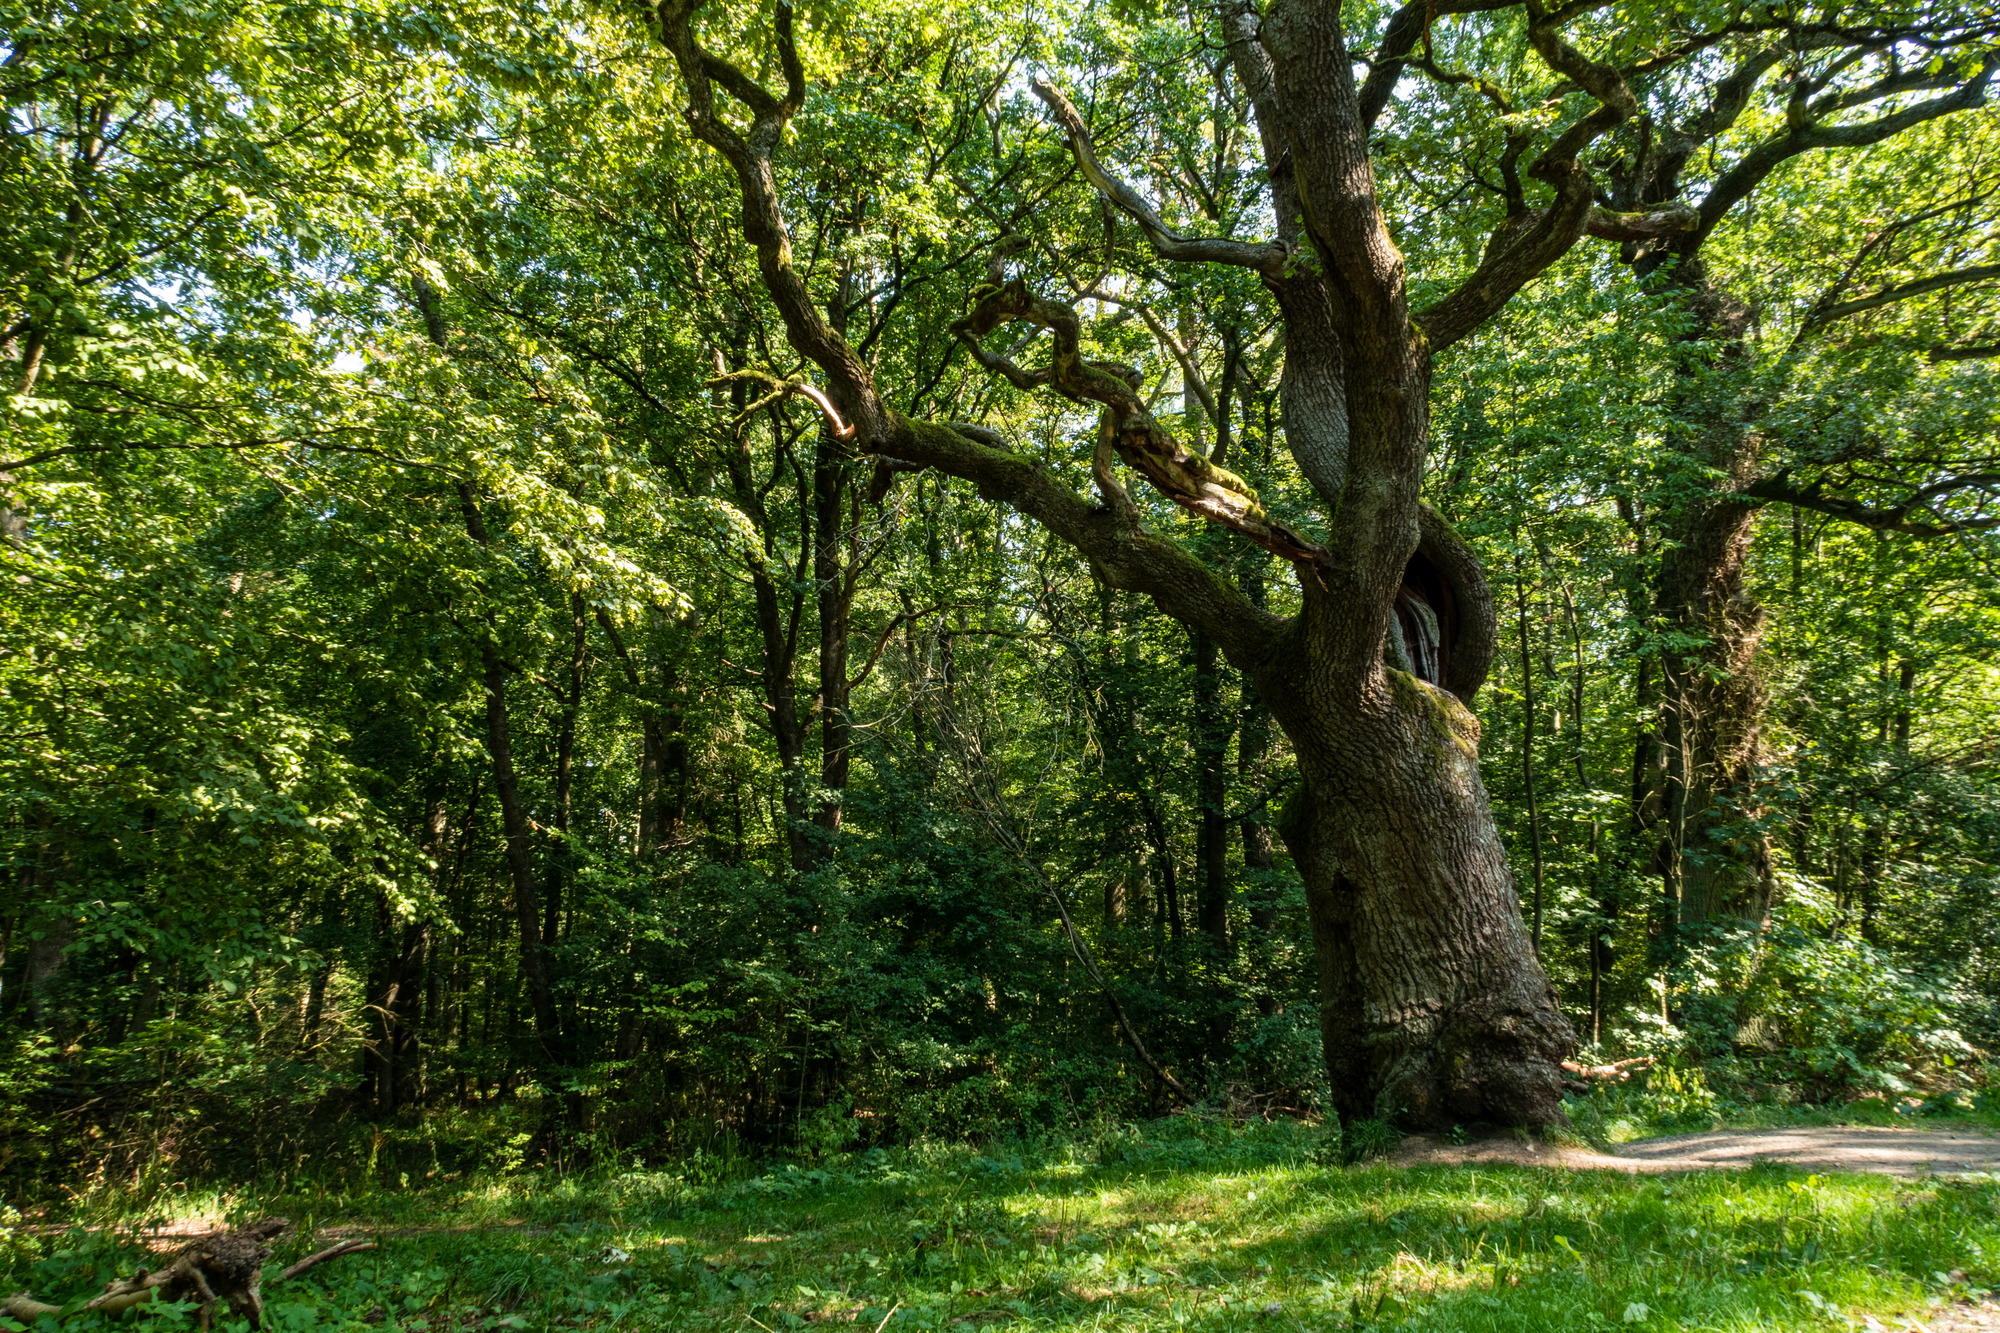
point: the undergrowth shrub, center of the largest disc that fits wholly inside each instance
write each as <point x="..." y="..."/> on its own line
<point x="1362" y="1140"/>
<point x="1676" y="1095"/>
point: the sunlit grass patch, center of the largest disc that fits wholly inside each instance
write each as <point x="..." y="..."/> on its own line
<point x="1182" y="1227"/>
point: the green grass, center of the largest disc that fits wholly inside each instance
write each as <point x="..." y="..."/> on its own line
<point x="1177" y="1226"/>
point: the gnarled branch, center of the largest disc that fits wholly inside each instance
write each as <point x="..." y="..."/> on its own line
<point x="1406" y="29"/>
<point x="1265" y="257"/>
<point x="1186" y="478"/>
<point x="1906" y="515"/>
<point x="842" y="431"/>
<point x="1121" y="552"/>
<point x="1666" y="220"/>
<point x="1805" y="134"/>
<point x="1528" y="242"/>
<point x="1825" y="314"/>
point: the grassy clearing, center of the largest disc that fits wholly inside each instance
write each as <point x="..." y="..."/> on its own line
<point x="1177" y="1226"/>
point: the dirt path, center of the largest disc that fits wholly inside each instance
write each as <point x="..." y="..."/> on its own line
<point x="1894" y="1152"/>
<point x="1964" y="1318"/>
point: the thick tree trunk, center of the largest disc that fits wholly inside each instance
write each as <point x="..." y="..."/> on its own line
<point x="1717" y="860"/>
<point x="1433" y="1009"/>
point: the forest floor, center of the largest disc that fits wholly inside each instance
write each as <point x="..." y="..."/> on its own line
<point x="1172" y="1226"/>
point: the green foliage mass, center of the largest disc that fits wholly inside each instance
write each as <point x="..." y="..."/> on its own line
<point x="391" y="382"/>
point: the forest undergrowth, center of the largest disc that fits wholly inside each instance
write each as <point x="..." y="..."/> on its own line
<point x="1178" y="1224"/>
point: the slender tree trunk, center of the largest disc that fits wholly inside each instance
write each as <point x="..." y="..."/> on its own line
<point x="315" y="1008"/>
<point x="396" y="1011"/>
<point x="514" y="821"/>
<point x="1114" y="904"/>
<point x="53" y="929"/>
<point x="572" y="704"/>
<point x="1211" y="791"/>
<point x="1253" y="752"/>
<point x="663" y="753"/>
<point x="1259" y="853"/>
<point x="378" y="1055"/>
<point x="833" y="583"/>
<point x="1596" y="942"/>
<point x="1906" y="681"/>
<point x="1528" y="758"/>
<point x="1212" y="728"/>
<point x="778" y="615"/>
<point x="1167" y="898"/>
<point x="1873" y="844"/>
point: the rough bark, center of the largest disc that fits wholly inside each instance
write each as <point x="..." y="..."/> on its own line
<point x="1718" y="858"/>
<point x="1433" y="1007"/>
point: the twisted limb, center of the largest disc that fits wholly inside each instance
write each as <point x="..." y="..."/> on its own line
<point x="1126" y="429"/>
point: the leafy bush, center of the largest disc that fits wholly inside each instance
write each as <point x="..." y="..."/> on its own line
<point x="26" y="1066"/>
<point x="1677" y="1096"/>
<point x="1843" y="1016"/>
<point x="1793" y="1011"/>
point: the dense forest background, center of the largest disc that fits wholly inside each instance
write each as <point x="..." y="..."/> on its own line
<point x="463" y="700"/>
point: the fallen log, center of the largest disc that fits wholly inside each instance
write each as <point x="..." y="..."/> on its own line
<point x="223" y="1266"/>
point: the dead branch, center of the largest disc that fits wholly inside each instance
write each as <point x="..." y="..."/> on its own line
<point x="330" y="1252"/>
<point x="1612" y="1073"/>
<point x="221" y="1266"/>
